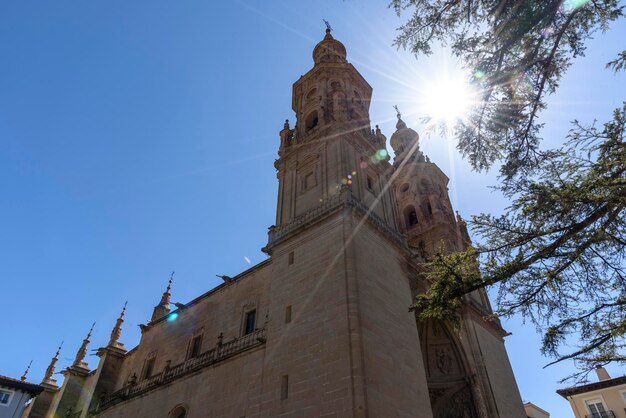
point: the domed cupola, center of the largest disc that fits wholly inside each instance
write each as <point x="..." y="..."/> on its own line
<point x="329" y="50"/>
<point x="405" y="142"/>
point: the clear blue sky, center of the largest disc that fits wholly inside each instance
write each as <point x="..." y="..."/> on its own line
<point x="139" y="137"/>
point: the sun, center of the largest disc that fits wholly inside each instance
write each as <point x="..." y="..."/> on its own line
<point x="448" y="99"/>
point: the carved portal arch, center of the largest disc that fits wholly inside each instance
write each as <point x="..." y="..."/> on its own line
<point x="447" y="372"/>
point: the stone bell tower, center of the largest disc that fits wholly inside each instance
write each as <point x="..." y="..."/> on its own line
<point x="332" y="144"/>
<point x="350" y="232"/>
<point x="338" y="257"/>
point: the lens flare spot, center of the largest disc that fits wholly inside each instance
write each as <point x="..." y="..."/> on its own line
<point x="381" y="154"/>
<point x="354" y="173"/>
<point x="247" y="260"/>
<point x="547" y="32"/>
<point x="363" y="164"/>
<point x="479" y="74"/>
<point x="173" y="316"/>
<point x="344" y="181"/>
<point x="574" y="4"/>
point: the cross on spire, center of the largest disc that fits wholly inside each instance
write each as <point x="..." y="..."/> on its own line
<point x="328" y="27"/>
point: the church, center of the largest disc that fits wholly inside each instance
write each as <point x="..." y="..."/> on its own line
<point x="322" y="327"/>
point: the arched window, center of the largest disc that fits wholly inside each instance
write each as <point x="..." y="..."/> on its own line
<point x="178" y="412"/>
<point x="311" y="121"/>
<point x="410" y="216"/>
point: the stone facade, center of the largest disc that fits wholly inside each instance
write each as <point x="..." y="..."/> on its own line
<point x="322" y="328"/>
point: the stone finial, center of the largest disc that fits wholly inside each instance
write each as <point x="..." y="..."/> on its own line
<point x="116" y="333"/>
<point x="286" y="125"/>
<point x="163" y="308"/>
<point x="23" y="378"/>
<point x="47" y="378"/>
<point x="165" y="299"/>
<point x="400" y="124"/>
<point x="82" y="351"/>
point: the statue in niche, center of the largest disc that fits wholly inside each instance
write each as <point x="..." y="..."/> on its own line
<point x="443" y="360"/>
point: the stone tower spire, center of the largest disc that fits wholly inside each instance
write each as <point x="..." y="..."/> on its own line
<point x="426" y="216"/>
<point x="117" y="331"/>
<point x="405" y="143"/>
<point x="79" y="362"/>
<point x="23" y="378"/>
<point x="163" y="308"/>
<point x="332" y="149"/>
<point x="47" y="378"/>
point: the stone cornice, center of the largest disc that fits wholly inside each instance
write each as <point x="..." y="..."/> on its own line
<point x="343" y="199"/>
<point x="327" y="133"/>
<point x="209" y="358"/>
<point x="31" y="388"/>
<point x="603" y="384"/>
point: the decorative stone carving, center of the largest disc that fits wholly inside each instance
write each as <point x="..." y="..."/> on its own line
<point x="443" y="359"/>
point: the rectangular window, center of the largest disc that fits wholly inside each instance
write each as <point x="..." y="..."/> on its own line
<point x="250" y="322"/>
<point x="148" y="368"/>
<point x="288" y="314"/>
<point x="5" y="397"/>
<point x="195" y="346"/>
<point x="284" y="387"/>
<point x="290" y="261"/>
<point x="597" y="409"/>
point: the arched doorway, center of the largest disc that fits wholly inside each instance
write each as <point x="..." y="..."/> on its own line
<point x="448" y="380"/>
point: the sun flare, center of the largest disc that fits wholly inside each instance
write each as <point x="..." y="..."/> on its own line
<point x="448" y="99"/>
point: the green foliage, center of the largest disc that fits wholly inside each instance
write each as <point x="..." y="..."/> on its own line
<point x="618" y="63"/>
<point x="558" y="255"/>
<point x="451" y="276"/>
